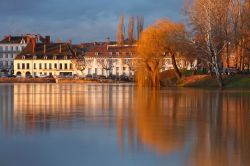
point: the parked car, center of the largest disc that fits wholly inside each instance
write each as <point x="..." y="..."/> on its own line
<point x="11" y="76"/>
<point x="124" y="78"/>
<point x="89" y="76"/>
<point x="28" y="76"/>
<point x="231" y="71"/>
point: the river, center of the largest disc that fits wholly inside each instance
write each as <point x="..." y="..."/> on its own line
<point x="120" y="124"/>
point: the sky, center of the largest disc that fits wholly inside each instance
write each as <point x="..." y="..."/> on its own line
<point x="80" y="20"/>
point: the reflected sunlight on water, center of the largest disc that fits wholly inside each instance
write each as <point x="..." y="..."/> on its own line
<point x="172" y="126"/>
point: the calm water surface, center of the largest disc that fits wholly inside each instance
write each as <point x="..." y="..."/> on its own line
<point x="120" y="125"/>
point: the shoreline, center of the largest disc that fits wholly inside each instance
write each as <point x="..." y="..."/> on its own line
<point x="54" y="80"/>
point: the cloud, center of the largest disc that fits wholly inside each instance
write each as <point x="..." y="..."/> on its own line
<point x="79" y="20"/>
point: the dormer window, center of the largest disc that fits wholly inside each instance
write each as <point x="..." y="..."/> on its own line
<point x="65" y="57"/>
<point x="45" y="57"/>
<point x="117" y="53"/>
<point x="96" y="53"/>
<point x="54" y="57"/>
<point x="110" y="53"/>
<point x="23" y="57"/>
<point x="34" y="57"/>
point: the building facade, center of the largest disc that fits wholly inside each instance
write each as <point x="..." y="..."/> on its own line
<point x="51" y="59"/>
<point x="104" y="59"/>
<point x="11" y="46"/>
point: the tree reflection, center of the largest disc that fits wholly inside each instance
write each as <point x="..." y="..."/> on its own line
<point x="215" y="123"/>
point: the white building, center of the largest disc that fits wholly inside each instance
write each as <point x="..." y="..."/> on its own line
<point x="11" y="46"/>
<point x="104" y="59"/>
<point x="54" y="59"/>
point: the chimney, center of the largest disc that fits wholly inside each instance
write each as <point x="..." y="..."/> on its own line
<point x="44" y="49"/>
<point x="28" y="39"/>
<point x="33" y="45"/>
<point x="47" y="39"/>
<point x="60" y="48"/>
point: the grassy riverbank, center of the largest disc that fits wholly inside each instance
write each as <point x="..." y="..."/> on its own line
<point x="236" y="81"/>
<point x="205" y="81"/>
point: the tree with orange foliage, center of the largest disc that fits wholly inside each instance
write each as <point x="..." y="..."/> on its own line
<point x="158" y="41"/>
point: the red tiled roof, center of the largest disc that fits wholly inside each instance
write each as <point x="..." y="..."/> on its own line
<point x="106" y="50"/>
<point x="60" y="50"/>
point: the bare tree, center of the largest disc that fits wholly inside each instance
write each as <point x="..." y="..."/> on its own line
<point x="106" y="64"/>
<point x="120" y="31"/>
<point x="131" y="25"/>
<point x="206" y="20"/>
<point x="140" y="25"/>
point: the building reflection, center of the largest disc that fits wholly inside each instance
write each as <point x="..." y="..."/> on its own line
<point x="46" y="106"/>
<point x="6" y="106"/>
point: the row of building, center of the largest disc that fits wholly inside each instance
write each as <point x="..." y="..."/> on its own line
<point x="35" y="55"/>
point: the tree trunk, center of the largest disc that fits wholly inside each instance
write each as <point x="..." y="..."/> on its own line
<point x="228" y="63"/>
<point x="176" y="69"/>
<point x="155" y="78"/>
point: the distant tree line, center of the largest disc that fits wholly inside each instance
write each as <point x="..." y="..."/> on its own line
<point x="120" y="34"/>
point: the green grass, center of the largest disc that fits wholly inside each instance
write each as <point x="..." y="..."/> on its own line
<point x="237" y="81"/>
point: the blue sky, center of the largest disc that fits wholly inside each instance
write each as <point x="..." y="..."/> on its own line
<point x="80" y="20"/>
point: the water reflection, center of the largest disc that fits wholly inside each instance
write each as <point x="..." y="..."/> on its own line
<point x="201" y="127"/>
<point x="215" y="123"/>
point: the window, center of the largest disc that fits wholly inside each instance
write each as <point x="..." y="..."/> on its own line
<point x="1" y="49"/>
<point x="45" y="73"/>
<point x="54" y="57"/>
<point x="18" y="66"/>
<point x="65" y="57"/>
<point x="117" y="70"/>
<point x="95" y="70"/>
<point x="1" y="55"/>
<point x="124" y="68"/>
<point x="45" y="57"/>
<point x="110" y="53"/>
<point x="23" y="57"/>
<point x="11" y="49"/>
<point x="103" y="72"/>
<point x="96" y="53"/>
<point x="45" y="65"/>
<point x="50" y="66"/>
<point x="23" y="65"/>
<point x="17" y="49"/>
<point x="28" y="66"/>
<point x="65" y="66"/>
<point x="34" y="73"/>
<point x="6" y="48"/>
<point x="71" y="66"/>
<point x="60" y="66"/>
<point x="40" y="66"/>
<point x="89" y="70"/>
<point x="34" y="57"/>
<point x="34" y="65"/>
<point x="117" y="53"/>
<point x="55" y="66"/>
